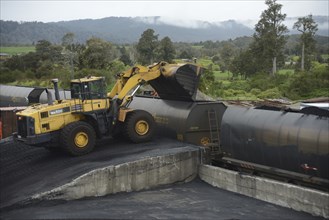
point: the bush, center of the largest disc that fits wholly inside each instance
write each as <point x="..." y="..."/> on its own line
<point x="228" y="93"/>
<point x="46" y="84"/>
<point x="215" y="67"/>
<point x="239" y="85"/>
<point x="255" y="92"/>
<point x="234" y="93"/>
<point x="320" y="70"/>
<point x="308" y="84"/>
<point x="30" y="74"/>
<point x="7" y="76"/>
<point x="321" y="92"/>
<point x="262" y="81"/>
<point x="29" y="83"/>
<point x="270" y="93"/>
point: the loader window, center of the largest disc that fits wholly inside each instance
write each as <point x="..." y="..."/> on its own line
<point x="88" y="90"/>
<point x="97" y="89"/>
<point x="76" y="91"/>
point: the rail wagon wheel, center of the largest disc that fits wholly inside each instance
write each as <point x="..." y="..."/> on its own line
<point x="139" y="126"/>
<point x="78" y="138"/>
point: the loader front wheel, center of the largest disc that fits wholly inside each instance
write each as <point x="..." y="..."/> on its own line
<point x="139" y="126"/>
<point x="78" y="138"/>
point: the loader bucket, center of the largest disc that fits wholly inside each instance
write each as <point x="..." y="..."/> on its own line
<point x="181" y="84"/>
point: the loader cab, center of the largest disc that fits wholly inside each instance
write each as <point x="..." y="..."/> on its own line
<point x="88" y="88"/>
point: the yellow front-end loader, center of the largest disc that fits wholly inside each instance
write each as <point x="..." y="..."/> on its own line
<point x="91" y="113"/>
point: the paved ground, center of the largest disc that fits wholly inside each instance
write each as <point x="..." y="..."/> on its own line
<point x="26" y="171"/>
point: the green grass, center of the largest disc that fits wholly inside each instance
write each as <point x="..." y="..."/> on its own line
<point x="286" y="72"/>
<point x="226" y="83"/>
<point x="17" y="50"/>
<point x="219" y="75"/>
<point x="204" y="62"/>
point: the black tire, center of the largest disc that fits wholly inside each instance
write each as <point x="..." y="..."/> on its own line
<point x="78" y="138"/>
<point x="139" y="126"/>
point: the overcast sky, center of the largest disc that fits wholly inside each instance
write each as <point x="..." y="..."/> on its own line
<point x="212" y="11"/>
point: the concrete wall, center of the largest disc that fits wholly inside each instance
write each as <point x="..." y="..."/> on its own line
<point x="132" y="176"/>
<point x="182" y="167"/>
<point x="275" y="192"/>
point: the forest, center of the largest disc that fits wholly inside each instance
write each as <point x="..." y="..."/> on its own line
<point x="269" y="64"/>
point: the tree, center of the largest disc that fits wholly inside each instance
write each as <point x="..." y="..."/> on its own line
<point x="226" y="56"/>
<point x="67" y="43"/>
<point x="146" y="47"/>
<point x="98" y="54"/>
<point x="124" y="57"/>
<point x="186" y="55"/>
<point x="244" y="64"/>
<point x="206" y="80"/>
<point x="269" y="39"/>
<point x="68" y="40"/>
<point x="166" y="50"/>
<point x="43" y="49"/>
<point x="307" y="26"/>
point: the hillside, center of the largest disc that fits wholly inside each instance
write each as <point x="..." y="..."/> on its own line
<point x="122" y="30"/>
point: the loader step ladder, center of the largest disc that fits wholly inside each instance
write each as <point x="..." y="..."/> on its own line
<point x="214" y="133"/>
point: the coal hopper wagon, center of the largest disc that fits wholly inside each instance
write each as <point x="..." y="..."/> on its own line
<point x="289" y="145"/>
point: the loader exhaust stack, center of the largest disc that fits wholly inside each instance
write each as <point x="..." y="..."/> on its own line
<point x="55" y="82"/>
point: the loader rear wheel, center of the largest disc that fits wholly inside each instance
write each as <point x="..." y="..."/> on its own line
<point x="78" y="138"/>
<point x="139" y="126"/>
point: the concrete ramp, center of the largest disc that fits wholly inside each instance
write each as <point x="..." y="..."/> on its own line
<point x="145" y="173"/>
<point x="29" y="173"/>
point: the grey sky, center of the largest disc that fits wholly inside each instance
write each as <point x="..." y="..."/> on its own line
<point x="173" y="11"/>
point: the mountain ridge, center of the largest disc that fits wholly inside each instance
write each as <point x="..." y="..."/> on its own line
<point x="122" y="30"/>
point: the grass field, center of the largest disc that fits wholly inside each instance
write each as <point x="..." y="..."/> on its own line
<point x="17" y="50"/>
<point x="204" y="62"/>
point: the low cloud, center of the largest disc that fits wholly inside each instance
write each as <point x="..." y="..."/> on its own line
<point x="322" y="22"/>
<point x="174" y="21"/>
